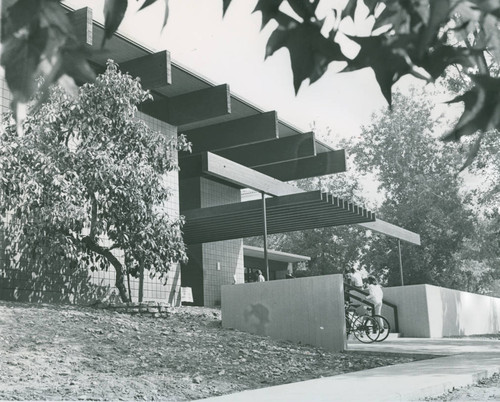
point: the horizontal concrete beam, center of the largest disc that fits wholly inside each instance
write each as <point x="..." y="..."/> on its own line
<point x="389" y="229"/>
<point x="81" y="20"/>
<point x="193" y="106"/>
<point x="232" y="172"/>
<point x="273" y="151"/>
<point x="154" y="69"/>
<point x="319" y="165"/>
<point x="247" y="130"/>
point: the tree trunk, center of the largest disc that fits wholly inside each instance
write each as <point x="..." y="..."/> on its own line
<point x="141" y="282"/>
<point x="128" y="285"/>
<point x="120" y="277"/>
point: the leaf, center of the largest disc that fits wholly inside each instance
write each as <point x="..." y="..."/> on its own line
<point x="19" y="16"/>
<point x="422" y="8"/>
<point x="433" y="17"/>
<point x="310" y="52"/>
<point x="395" y="16"/>
<point x="349" y="9"/>
<point x="54" y="16"/>
<point x="466" y="19"/>
<point x="481" y="108"/>
<point x="488" y="6"/>
<point x="439" y="58"/>
<point x="269" y="10"/>
<point x="304" y="9"/>
<point x="491" y="36"/>
<point x="147" y="3"/>
<point x="20" y="57"/>
<point x="114" y="11"/>
<point x="371" y="5"/>
<point x="386" y="56"/>
<point x="167" y="10"/>
<point x="403" y="16"/>
<point x="75" y="64"/>
<point x="225" y="5"/>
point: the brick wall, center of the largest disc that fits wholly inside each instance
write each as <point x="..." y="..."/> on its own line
<point x="5" y="95"/>
<point x="211" y="265"/>
<point x="224" y="259"/>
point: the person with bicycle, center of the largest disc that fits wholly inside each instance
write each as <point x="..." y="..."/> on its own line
<point x="375" y="294"/>
<point x="355" y="278"/>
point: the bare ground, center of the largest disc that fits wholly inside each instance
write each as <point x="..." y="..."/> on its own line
<point x="54" y="352"/>
<point x="487" y="389"/>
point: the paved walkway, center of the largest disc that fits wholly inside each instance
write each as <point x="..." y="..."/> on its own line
<point x="459" y="362"/>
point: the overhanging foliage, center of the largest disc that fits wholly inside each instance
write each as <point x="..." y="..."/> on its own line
<point x="421" y="38"/>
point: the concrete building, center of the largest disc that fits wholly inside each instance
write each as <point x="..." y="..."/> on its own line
<point x="236" y="146"/>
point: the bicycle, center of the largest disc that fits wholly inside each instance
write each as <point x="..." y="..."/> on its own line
<point x="364" y="327"/>
<point x="383" y="325"/>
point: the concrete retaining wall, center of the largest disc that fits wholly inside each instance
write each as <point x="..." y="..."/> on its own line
<point x="427" y="311"/>
<point x="306" y="310"/>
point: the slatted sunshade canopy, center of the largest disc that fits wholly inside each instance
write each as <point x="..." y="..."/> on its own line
<point x="287" y="213"/>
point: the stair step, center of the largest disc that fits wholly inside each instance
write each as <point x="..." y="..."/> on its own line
<point x="392" y="335"/>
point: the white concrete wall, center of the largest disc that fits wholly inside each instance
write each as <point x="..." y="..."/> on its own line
<point x="306" y="310"/>
<point x="412" y="310"/>
<point x="430" y="311"/>
<point x="453" y="312"/>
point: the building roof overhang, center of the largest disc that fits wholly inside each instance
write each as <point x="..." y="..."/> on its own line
<point x="201" y="108"/>
<point x="286" y="213"/>
<point x="211" y="116"/>
<point x="273" y="255"/>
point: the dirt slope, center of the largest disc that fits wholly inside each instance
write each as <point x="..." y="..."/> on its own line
<point x="50" y="352"/>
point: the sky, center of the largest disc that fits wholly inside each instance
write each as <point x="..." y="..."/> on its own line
<point x="231" y="50"/>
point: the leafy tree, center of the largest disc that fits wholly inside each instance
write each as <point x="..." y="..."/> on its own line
<point x="480" y="256"/>
<point x="418" y="176"/>
<point x="88" y="177"/>
<point x="487" y="167"/>
<point x="421" y="38"/>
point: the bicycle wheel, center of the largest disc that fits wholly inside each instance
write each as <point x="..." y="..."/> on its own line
<point x="365" y="329"/>
<point x="384" y="328"/>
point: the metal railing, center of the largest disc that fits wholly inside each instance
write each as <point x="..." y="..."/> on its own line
<point x="348" y="293"/>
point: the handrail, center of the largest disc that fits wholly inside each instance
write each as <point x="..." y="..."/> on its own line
<point x="363" y="292"/>
<point x="370" y="304"/>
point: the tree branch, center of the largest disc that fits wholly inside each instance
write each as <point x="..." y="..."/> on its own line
<point x="93" y="218"/>
<point x="117" y="265"/>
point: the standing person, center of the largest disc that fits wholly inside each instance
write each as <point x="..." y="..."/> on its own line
<point x="260" y="277"/>
<point x="376" y="295"/>
<point x="355" y="278"/>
